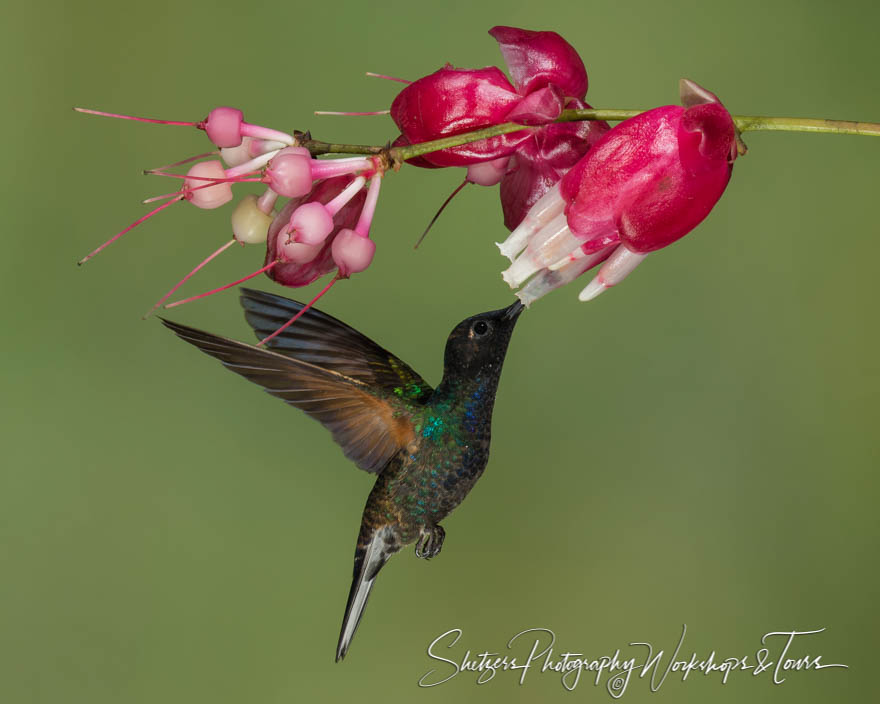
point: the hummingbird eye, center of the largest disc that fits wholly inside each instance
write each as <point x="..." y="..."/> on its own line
<point x="480" y="328"/>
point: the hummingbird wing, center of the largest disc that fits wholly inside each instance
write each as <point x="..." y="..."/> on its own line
<point x="370" y="424"/>
<point x="329" y="343"/>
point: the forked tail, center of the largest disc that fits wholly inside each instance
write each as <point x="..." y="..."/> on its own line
<point x="368" y="560"/>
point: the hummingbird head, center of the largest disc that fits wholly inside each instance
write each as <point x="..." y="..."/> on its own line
<point x="478" y="344"/>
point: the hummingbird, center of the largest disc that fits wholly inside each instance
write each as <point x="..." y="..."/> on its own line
<point x="428" y="446"/>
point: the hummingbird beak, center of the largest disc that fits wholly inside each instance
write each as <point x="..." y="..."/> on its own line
<point x="513" y="310"/>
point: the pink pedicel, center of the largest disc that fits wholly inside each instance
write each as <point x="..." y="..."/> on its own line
<point x="643" y="185"/>
<point x="352" y="249"/>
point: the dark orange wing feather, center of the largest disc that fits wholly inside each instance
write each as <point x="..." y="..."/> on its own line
<point x="329" y="343"/>
<point x="370" y="424"/>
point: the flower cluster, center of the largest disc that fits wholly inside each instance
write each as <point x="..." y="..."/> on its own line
<point x="324" y="226"/>
<point x="574" y="193"/>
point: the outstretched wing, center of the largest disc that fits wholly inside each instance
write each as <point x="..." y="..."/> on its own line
<point x="320" y="339"/>
<point x="370" y="425"/>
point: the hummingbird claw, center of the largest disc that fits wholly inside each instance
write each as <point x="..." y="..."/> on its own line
<point x="430" y="541"/>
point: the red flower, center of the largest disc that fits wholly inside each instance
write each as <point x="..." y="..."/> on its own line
<point x="548" y="75"/>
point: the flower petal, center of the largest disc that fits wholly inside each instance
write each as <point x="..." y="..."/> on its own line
<point x="538" y="108"/>
<point x="536" y="59"/>
<point x="451" y="101"/>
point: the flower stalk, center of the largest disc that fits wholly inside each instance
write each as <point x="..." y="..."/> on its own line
<point x="744" y="123"/>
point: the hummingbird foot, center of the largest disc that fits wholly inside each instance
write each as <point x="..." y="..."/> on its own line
<point x="430" y="541"/>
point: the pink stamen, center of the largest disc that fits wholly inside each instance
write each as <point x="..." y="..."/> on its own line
<point x="223" y="288"/>
<point x="130" y="227"/>
<point x="147" y="201"/>
<point x="300" y="313"/>
<point x="88" y="111"/>
<point x="180" y="283"/>
<point x="352" y="114"/>
<point x="181" y="162"/>
<point x="198" y="188"/>
<point x="214" y="179"/>
<point x="388" y="78"/>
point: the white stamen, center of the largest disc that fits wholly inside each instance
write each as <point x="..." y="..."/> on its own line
<point x="543" y="211"/>
<point x="548" y="280"/>
<point x="552" y="242"/>
<point x="618" y="266"/>
<point x="521" y="269"/>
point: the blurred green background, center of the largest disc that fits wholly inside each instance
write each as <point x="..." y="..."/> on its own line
<point x="698" y="446"/>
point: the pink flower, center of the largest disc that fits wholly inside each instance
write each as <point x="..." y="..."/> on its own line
<point x="548" y="76"/>
<point x="327" y="198"/>
<point x="292" y="273"/>
<point x="643" y="185"/>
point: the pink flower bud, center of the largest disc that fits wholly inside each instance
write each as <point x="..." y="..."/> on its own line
<point x="196" y="186"/>
<point x="290" y="172"/>
<point x="310" y="223"/>
<point x="223" y="126"/>
<point x="352" y="252"/>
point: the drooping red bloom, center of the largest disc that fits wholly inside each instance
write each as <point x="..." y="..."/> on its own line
<point x="645" y="184"/>
<point x="548" y="75"/>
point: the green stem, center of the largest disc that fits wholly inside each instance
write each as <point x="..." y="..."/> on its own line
<point x="744" y="123"/>
<point x="749" y="123"/>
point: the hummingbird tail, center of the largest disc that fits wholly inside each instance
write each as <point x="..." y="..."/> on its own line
<point x="368" y="560"/>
